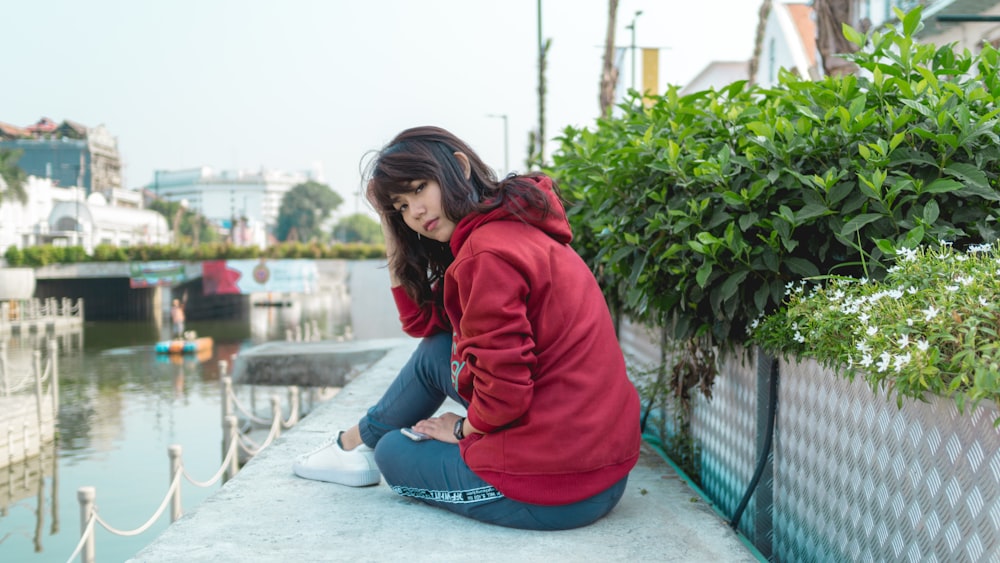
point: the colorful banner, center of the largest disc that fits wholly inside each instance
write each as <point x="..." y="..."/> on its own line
<point x="221" y="277"/>
<point x="152" y="274"/>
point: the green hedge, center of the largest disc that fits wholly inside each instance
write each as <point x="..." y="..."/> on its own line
<point x="697" y="210"/>
<point x="43" y="255"/>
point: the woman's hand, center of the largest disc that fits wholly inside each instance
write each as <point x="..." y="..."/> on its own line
<point x="441" y="428"/>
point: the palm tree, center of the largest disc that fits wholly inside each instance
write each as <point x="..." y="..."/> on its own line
<point x="13" y="178"/>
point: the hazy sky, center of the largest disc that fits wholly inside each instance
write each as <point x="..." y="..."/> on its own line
<point x="301" y="84"/>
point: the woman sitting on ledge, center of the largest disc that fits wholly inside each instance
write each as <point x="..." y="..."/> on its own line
<point x="514" y="328"/>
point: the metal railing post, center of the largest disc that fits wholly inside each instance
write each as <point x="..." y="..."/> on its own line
<point x="176" y="467"/>
<point x="86" y="496"/>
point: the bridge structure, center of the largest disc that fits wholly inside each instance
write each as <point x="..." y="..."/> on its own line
<point x="106" y="289"/>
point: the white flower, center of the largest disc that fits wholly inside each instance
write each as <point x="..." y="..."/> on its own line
<point x="901" y="361"/>
<point x="862" y="346"/>
<point x="883" y="362"/>
<point x="863" y="317"/>
<point x="896" y="293"/>
<point x="906" y="254"/>
<point x="951" y="288"/>
<point x="866" y="360"/>
<point x="871" y="331"/>
<point x="964" y="280"/>
<point x="982" y="301"/>
<point x="911" y="290"/>
<point x="798" y="337"/>
<point x="922" y="345"/>
<point x="974" y="248"/>
<point x="930" y="313"/>
<point x="904" y="340"/>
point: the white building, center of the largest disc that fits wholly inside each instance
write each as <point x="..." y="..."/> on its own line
<point x="248" y="200"/>
<point x="65" y="217"/>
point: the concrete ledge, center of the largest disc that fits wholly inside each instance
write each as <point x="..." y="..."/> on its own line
<point x="268" y="514"/>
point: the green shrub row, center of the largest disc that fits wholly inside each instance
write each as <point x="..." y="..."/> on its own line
<point x="43" y="255"/>
<point x="696" y="211"/>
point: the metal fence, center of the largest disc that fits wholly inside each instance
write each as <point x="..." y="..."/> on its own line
<point x="850" y="476"/>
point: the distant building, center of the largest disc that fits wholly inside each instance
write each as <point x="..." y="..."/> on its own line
<point x="67" y="153"/>
<point x="66" y="216"/>
<point x="243" y="203"/>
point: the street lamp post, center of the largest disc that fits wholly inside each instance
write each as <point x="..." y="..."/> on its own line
<point x="506" y="142"/>
<point x="631" y="27"/>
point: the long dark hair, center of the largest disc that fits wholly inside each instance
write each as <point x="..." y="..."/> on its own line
<point x="428" y="153"/>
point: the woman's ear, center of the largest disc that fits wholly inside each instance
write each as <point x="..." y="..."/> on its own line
<point x="464" y="161"/>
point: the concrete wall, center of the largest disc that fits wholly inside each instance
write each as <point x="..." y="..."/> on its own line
<point x="17" y="283"/>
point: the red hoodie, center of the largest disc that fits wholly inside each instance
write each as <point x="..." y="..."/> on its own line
<point x="535" y="353"/>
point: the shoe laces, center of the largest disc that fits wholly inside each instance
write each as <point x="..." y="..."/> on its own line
<point x="332" y="440"/>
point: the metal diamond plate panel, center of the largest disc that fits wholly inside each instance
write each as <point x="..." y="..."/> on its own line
<point x="858" y="479"/>
<point x="725" y="430"/>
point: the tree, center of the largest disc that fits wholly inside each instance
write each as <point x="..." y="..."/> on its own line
<point x="358" y="228"/>
<point x="831" y="15"/>
<point x="304" y="208"/>
<point x="609" y="73"/>
<point x="13" y="177"/>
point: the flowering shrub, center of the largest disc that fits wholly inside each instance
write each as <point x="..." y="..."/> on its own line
<point x="931" y="326"/>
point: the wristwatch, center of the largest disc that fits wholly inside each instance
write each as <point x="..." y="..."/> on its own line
<point x="459" y="428"/>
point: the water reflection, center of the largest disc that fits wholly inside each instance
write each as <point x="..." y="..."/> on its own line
<point x="121" y="406"/>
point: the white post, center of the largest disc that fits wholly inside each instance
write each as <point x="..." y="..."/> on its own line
<point x="276" y="414"/>
<point x="227" y="391"/>
<point x="294" y="402"/>
<point x="4" y="384"/>
<point x="38" y="388"/>
<point x="54" y="362"/>
<point x="86" y="496"/>
<point x="175" y="470"/>
<point x="229" y="434"/>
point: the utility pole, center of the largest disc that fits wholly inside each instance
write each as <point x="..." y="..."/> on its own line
<point x="506" y="143"/>
<point x="631" y="27"/>
<point x="542" y="47"/>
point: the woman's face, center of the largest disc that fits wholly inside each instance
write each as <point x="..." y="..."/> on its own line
<point x="422" y="210"/>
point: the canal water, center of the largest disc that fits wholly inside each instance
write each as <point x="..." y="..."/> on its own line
<point x="122" y="406"/>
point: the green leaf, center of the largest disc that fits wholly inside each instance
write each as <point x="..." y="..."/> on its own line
<point x="931" y="211"/>
<point x="802" y="267"/>
<point x="856" y="223"/>
<point x="701" y="277"/>
<point x="853" y="35"/>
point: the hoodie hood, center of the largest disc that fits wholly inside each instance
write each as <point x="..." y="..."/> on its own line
<point x="554" y="223"/>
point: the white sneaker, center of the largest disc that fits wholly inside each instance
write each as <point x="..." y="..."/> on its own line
<point x="333" y="464"/>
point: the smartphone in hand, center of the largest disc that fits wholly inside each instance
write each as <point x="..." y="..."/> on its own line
<point x="414" y="435"/>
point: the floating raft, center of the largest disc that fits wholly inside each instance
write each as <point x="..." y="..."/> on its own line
<point x="184" y="346"/>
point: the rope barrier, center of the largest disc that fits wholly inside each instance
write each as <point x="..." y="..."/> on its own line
<point x="90" y="517"/>
<point x="174" y="486"/>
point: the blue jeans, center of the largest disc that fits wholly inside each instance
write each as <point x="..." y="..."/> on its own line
<point x="434" y="471"/>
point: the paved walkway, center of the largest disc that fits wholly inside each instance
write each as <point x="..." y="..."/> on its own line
<point x="268" y="514"/>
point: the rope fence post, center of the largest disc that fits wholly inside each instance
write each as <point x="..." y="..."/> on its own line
<point x="176" y="467"/>
<point x="276" y="413"/>
<point x="294" y="403"/>
<point x="37" y="363"/>
<point x="54" y="374"/>
<point x="4" y="383"/>
<point x="229" y="433"/>
<point x="86" y="496"/>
